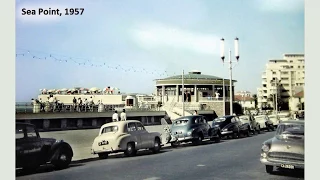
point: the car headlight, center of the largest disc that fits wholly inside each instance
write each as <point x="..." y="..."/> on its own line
<point x="189" y="133"/>
<point x="265" y="148"/>
<point x="224" y="129"/>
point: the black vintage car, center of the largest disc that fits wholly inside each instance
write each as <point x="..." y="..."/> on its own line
<point x="253" y="124"/>
<point x="193" y="129"/>
<point x="33" y="151"/>
<point x="231" y="126"/>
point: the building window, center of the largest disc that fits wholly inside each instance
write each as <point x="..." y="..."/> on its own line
<point x="291" y="66"/>
<point x="291" y="61"/>
<point x="273" y="72"/>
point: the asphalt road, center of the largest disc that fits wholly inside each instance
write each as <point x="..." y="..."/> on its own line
<point x="229" y="159"/>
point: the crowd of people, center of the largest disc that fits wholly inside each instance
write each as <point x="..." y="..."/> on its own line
<point x="55" y="105"/>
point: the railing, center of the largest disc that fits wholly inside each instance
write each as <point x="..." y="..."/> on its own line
<point x="212" y="99"/>
<point x="67" y="108"/>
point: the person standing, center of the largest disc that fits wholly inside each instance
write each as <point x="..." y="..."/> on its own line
<point x="74" y="103"/>
<point x="123" y="115"/>
<point x="115" y="116"/>
<point x="195" y="112"/>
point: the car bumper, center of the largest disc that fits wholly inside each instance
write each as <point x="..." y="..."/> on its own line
<point x="111" y="150"/>
<point x="226" y="133"/>
<point x="280" y="163"/>
<point x="181" y="139"/>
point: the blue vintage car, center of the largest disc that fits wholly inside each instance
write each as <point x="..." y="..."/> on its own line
<point x="193" y="129"/>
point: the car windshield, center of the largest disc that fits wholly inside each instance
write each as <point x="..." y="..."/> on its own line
<point x="109" y="129"/>
<point x="180" y="122"/>
<point x="219" y="120"/>
<point x="291" y="129"/>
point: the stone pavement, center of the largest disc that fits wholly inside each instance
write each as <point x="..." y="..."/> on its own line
<point x="81" y="140"/>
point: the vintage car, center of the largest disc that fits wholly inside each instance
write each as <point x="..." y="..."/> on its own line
<point x="193" y="129"/>
<point x="253" y="124"/>
<point x="275" y="119"/>
<point x="125" y="136"/>
<point x="231" y="126"/>
<point x="33" y="151"/>
<point x="264" y="122"/>
<point x="286" y="148"/>
<point x="284" y="116"/>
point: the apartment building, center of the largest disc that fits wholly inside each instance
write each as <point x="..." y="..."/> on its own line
<point x="281" y="80"/>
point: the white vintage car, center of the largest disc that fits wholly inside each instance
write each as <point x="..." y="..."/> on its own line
<point x="275" y="119"/>
<point x="125" y="136"/>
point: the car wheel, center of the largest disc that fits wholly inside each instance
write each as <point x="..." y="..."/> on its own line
<point x="63" y="159"/>
<point x="269" y="169"/>
<point x="130" y="151"/>
<point x="198" y="140"/>
<point x="258" y="130"/>
<point x="103" y="155"/>
<point x="248" y="133"/>
<point x="174" y="144"/>
<point x="217" y="139"/>
<point x="157" y="146"/>
<point x="235" y="135"/>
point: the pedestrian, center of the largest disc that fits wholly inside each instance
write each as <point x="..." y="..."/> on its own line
<point x="79" y="104"/>
<point x="115" y="116"/>
<point x="74" y="103"/>
<point x="123" y="115"/>
<point x="195" y="112"/>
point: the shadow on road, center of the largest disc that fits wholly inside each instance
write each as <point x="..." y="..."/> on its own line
<point x="298" y="173"/>
<point x="121" y="155"/>
<point x="43" y="169"/>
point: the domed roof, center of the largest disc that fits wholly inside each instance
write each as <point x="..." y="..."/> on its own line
<point x="194" y="75"/>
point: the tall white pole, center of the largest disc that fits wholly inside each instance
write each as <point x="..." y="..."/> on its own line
<point x="276" y="95"/>
<point x="224" y="98"/>
<point x="231" y="98"/>
<point x="182" y="93"/>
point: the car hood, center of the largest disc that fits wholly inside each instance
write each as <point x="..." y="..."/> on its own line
<point x="290" y="145"/>
<point x="48" y="141"/>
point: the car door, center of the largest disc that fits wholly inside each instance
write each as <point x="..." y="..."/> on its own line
<point x="135" y="135"/>
<point x="206" y="127"/>
<point x="21" y="154"/>
<point x="234" y="124"/>
<point x="145" y="137"/>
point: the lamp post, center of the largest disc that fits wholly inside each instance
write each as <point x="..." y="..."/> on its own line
<point x="224" y="98"/>
<point x="182" y="93"/>
<point x="276" y="82"/>
<point x="236" y="46"/>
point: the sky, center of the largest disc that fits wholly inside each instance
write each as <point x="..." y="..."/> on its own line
<point x="128" y="44"/>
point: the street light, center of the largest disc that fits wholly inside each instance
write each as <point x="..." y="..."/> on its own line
<point x="236" y="49"/>
<point x="276" y="82"/>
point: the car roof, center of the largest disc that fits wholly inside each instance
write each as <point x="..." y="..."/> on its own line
<point x="292" y="122"/>
<point x="24" y="124"/>
<point x="119" y="123"/>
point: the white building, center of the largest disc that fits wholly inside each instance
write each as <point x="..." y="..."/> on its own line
<point x="282" y="79"/>
<point x="245" y="99"/>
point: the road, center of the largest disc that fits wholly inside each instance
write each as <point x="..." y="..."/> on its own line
<point x="229" y="159"/>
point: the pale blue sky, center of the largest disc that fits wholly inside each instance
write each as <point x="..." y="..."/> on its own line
<point x="162" y="37"/>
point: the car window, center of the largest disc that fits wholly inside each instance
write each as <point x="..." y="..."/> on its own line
<point x="204" y="120"/>
<point x="109" y="129"/>
<point x="220" y="119"/>
<point x="180" y="122"/>
<point x="31" y="132"/>
<point x="290" y="129"/>
<point x="140" y="127"/>
<point x="19" y="132"/>
<point x="132" y="127"/>
<point x="233" y="120"/>
<point x="244" y="119"/>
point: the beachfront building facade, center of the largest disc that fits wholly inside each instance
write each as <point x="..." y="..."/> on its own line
<point x="282" y="78"/>
<point x="201" y="92"/>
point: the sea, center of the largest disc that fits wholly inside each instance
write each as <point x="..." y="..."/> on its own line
<point x="24" y="107"/>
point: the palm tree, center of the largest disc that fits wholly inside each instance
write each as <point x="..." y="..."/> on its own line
<point x="255" y="100"/>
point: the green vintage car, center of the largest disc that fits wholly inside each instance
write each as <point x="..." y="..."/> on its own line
<point x="193" y="129"/>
